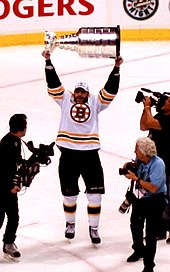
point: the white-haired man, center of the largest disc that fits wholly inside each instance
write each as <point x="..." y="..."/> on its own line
<point x="78" y="141"/>
<point x="150" y="191"/>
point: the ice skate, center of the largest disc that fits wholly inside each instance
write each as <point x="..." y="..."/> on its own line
<point x="11" y="252"/>
<point x="70" y="231"/>
<point x="94" y="235"/>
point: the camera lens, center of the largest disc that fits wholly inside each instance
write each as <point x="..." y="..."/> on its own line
<point x="123" y="171"/>
<point x="124" y="206"/>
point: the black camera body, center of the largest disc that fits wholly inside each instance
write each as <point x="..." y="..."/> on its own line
<point x="132" y="166"/>
<point x="27" y="169"/>
<point x="158" y="100"/>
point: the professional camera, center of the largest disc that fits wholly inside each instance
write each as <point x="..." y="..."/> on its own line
<point x="158" y="100"/>
<point x="130" y="199"/>
<point x="124" y="206"/>
<point x="27" y="169"/>
<point x="132" y="166"/>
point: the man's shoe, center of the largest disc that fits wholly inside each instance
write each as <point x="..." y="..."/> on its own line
<point x="134" y="257"/>
<point x="168" y="241"/>
<point x="11" y="251"/>
<point x="70" y="230"/>
<point x="94" y="235"/>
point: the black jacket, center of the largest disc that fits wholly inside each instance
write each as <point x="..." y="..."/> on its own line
<point x="10" y="155"/>
<point x="162" y="138"/>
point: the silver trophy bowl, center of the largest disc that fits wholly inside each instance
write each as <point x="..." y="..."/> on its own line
<point x="91" y="42"/>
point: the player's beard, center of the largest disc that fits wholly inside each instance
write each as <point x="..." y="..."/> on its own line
<point x="81" y="100"/>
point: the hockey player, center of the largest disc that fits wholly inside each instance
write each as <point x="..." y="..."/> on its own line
<point x="78" y="141"/>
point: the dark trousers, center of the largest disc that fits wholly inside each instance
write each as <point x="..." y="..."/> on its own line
<point x="9" y="207"/>
<point x="146" y="212"/>
<point x="165" y="221"/>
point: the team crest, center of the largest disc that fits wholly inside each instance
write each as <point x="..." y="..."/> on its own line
<point x="140" y="9"/>
<point x="80" y="112"/>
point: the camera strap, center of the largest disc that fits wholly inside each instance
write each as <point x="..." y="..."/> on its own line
<point x="131" y="186"/>
<point x="30" y="148"/>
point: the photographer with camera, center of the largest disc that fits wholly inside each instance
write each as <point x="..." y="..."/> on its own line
<point x="10" y="156"/>
<point x="148" y="201"/>
<point x="78" y="141"/>
<point x="159" y="131"/>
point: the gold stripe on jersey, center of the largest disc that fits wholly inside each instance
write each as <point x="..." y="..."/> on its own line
<point x="79" y="134"/>
<point x="77" y="138"/>
<point x="56" y="93"/>
<point x="105" y="97"/>
<point x="76" y="141"/>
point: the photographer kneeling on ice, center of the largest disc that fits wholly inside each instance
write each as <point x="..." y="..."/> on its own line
<point x="148" y="201"/>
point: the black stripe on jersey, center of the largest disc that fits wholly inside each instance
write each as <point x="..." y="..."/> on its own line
<point x="56" y="94"/>
<point x="78" y="138"/>
<point x="104" y="98"/>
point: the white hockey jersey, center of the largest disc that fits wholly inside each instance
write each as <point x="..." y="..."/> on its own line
<point x="78" y="128"/>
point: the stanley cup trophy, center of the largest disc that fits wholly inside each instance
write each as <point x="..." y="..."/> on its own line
<point x="91" y="42"/>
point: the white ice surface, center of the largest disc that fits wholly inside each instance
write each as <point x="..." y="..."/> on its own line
<point x="40" y="235"/>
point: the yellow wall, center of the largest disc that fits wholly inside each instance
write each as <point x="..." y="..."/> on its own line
<point x="126" y="35"/>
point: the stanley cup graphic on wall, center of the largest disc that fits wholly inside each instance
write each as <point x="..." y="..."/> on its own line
<point x="91" y="42"/>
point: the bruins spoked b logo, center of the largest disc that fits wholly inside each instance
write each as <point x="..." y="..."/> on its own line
<point x="140" y="9"/>
<point x="80" y="112"/>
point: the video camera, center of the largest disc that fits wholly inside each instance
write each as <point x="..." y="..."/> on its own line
<point x="27" y="169"/>
<point x="158" y="100"/>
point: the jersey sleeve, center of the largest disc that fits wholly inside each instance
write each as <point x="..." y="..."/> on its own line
<point x="54" y="85"/>
<point x="108" y="93"/>
<point x="52" y="78"/>
<point x="112" y="84"/>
